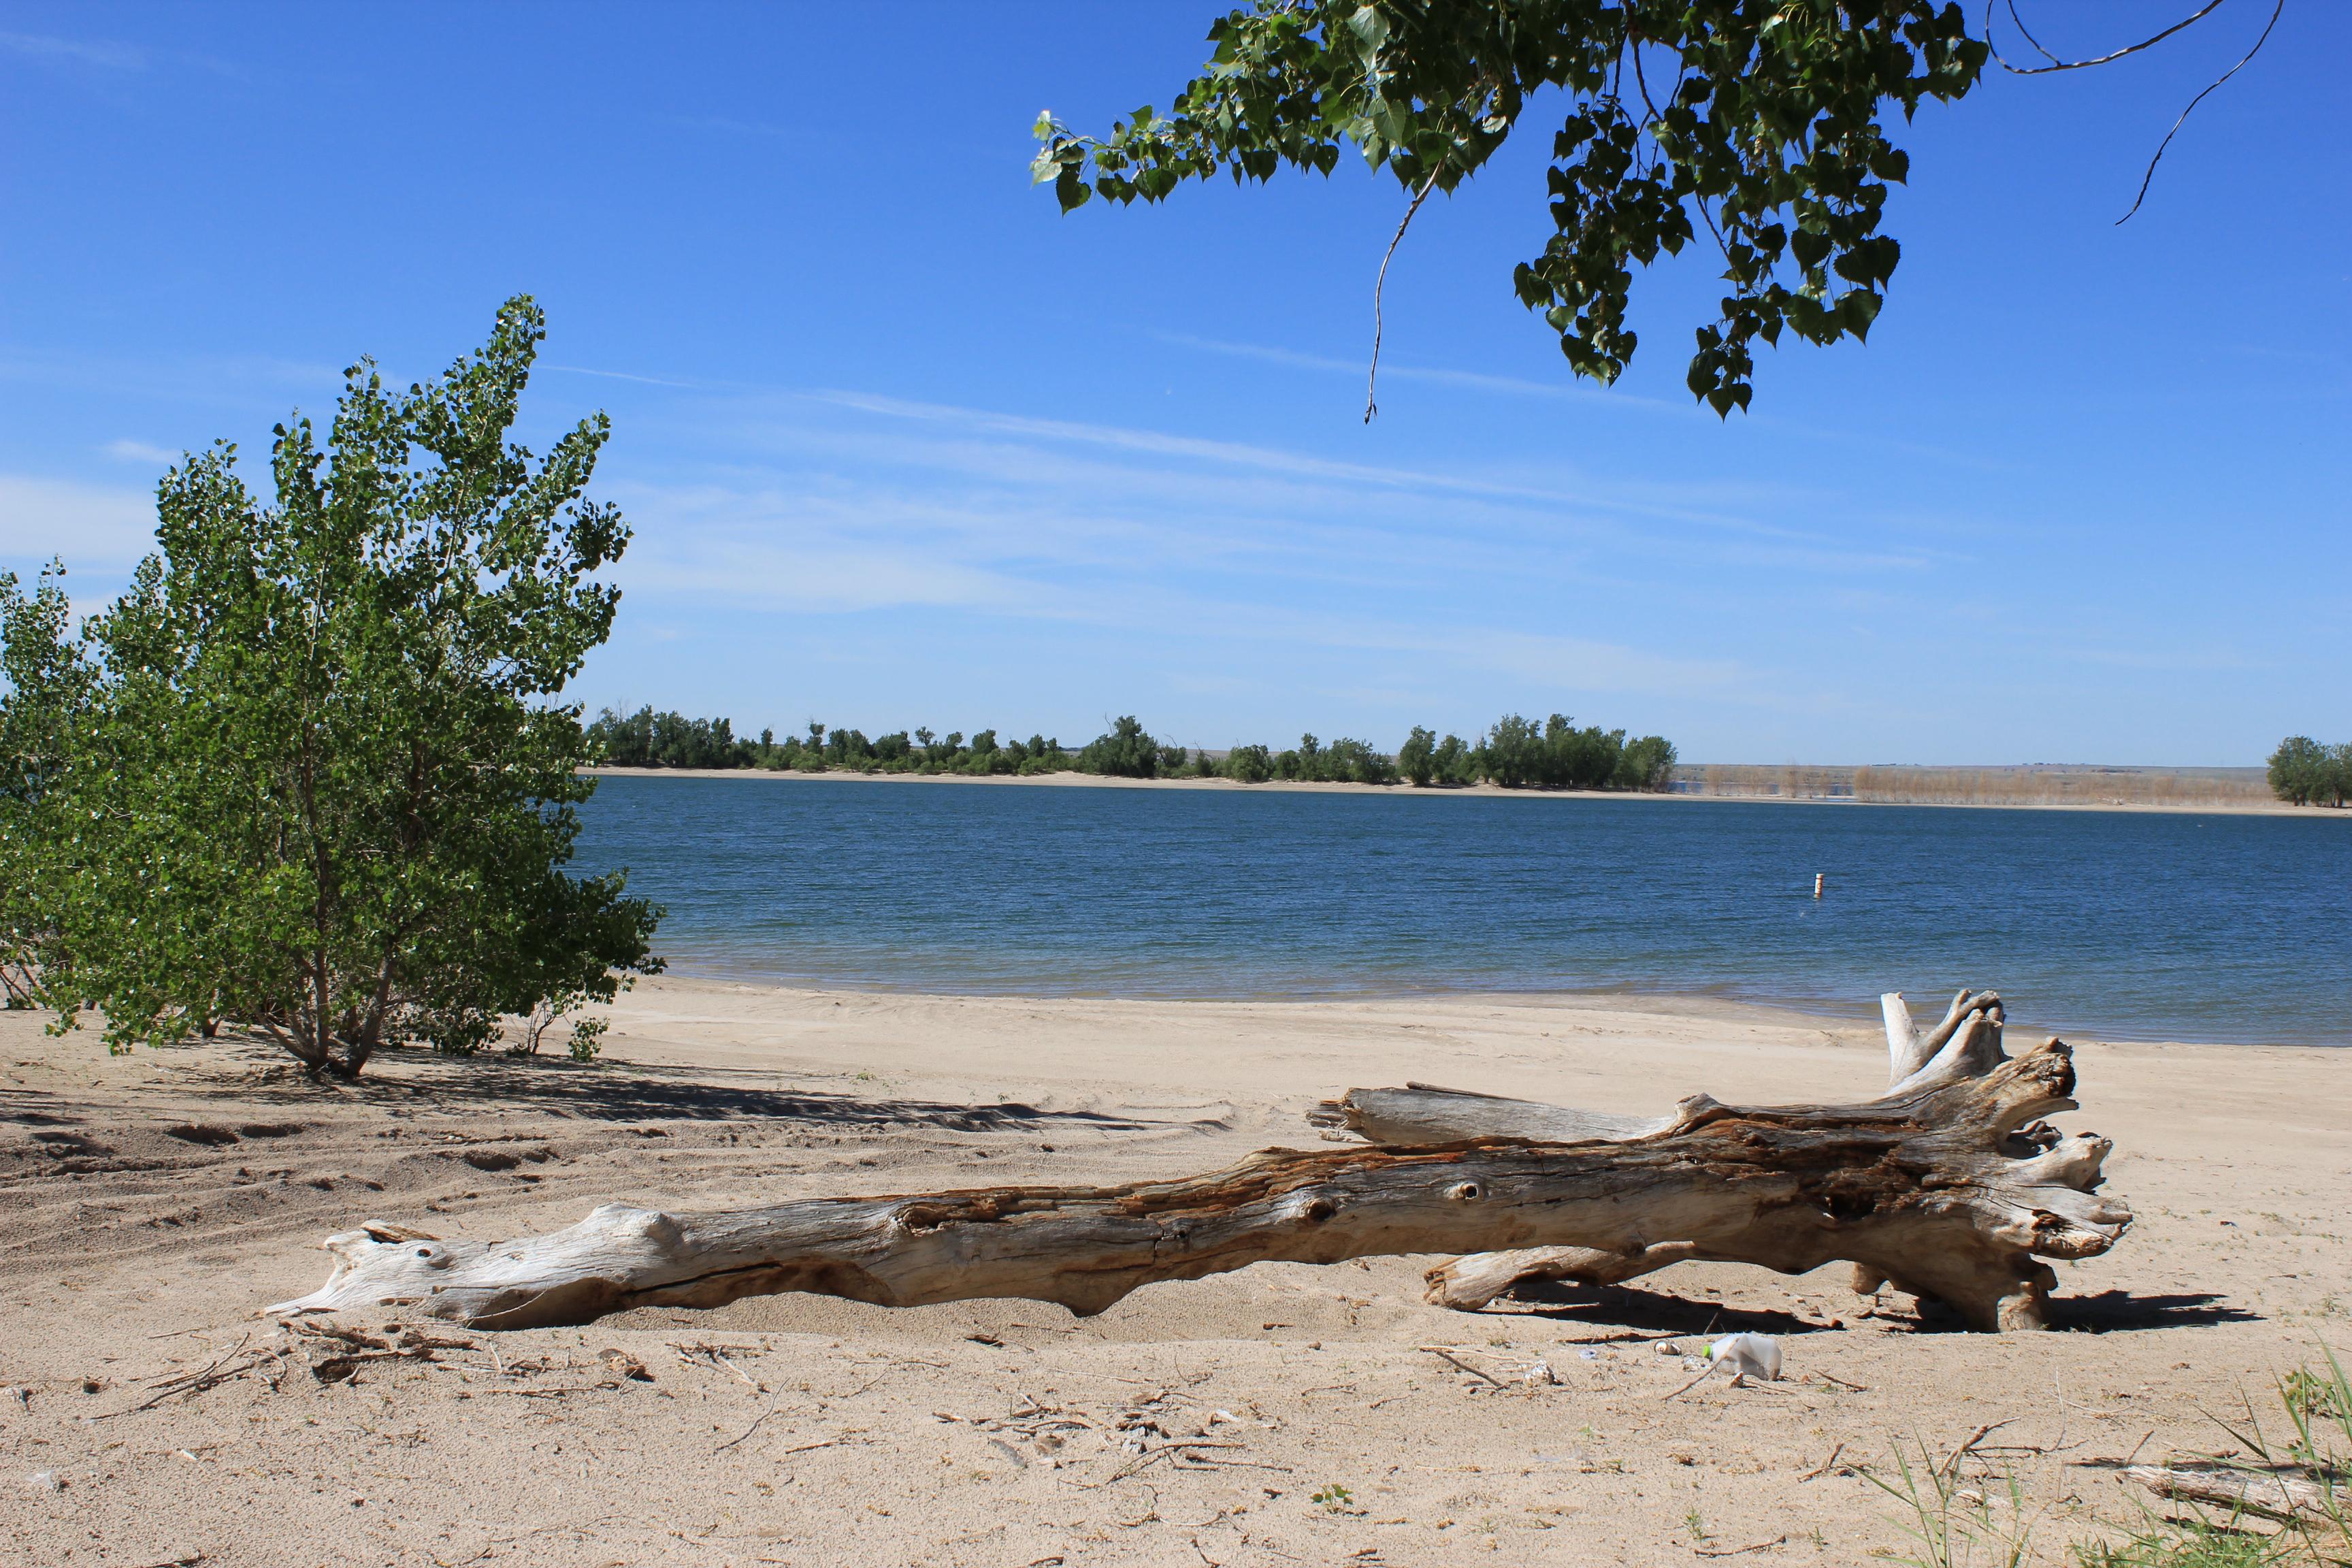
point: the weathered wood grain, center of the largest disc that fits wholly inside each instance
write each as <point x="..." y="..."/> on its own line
<point x="1944" y="1186"/>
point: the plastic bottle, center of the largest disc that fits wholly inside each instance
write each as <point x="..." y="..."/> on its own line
<point x="1748" y="1355"/>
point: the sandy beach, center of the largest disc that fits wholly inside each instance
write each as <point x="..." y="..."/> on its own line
<point x="153" y="1201"/>
<point x="2235" y="805"/>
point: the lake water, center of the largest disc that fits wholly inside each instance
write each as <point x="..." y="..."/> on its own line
<point x="2113" y="924"/>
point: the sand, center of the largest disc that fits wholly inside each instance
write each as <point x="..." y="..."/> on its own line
<point x="1007" y="1435"/>
<point x="2243" y="805"/>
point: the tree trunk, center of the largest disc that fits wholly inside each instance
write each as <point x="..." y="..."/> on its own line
<point x="1933" y="1185"/>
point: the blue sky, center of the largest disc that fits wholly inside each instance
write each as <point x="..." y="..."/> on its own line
<point x="903" y="445"/>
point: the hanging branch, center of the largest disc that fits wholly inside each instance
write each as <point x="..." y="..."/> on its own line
<point x="1371" y="379"/>
<point x="2152" y="163"/>
<point x="2058" y="65"/>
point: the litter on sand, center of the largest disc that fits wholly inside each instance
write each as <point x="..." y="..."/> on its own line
<point x="1748" y="1355"/>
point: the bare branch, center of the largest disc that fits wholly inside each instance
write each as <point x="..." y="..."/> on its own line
<point x="2058" y="65"/>
<point x="2193" y="102"/>
<point x="1371" y="380"/>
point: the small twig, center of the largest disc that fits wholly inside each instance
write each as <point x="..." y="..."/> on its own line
<point x="1952" y="1465"/>
<point x="747" y="1431"/>
<point x="1232" y="1465"/>
<point x="2115" y="1464"/>
<point x="1739" y="1551"/>
<point x="1443" y="1354"/>
<point x="212" y="1377"/>
<point x="1149" y="1513"/>
<point x="1693" y="1382"/>
<point x="1824" y="1469"/>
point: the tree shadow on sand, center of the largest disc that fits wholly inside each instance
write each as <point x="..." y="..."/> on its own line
<point x="637" y="1091"/>
<point x="31" y="1108"/>
<point x="2120" y="1312"/>
<point x="1651" y="1312"/>
<point x="2109" y="1311"/>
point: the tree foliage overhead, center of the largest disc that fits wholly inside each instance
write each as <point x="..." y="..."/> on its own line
<point x="317" y="787"/>
<point x="1758" y="123"/>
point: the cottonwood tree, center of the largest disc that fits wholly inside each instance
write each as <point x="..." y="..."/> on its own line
<point x="2304" y="773"/>
<point x="48" y="681"/>
<point x="1760" y="124"/>
<point x="320" y="788"/>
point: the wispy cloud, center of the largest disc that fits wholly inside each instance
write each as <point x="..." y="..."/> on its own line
<point x="88" y="525"/>
<point x="1561" y="500"/>
<point x="112" y="56"/>
<point x="623" y="375"/>
<point x="1469" y="379"/>
<point x="848" y="503"/>
<point x="243" y="382"/>
<point x="130" y="451"/>
<point x="1586" y="665"/>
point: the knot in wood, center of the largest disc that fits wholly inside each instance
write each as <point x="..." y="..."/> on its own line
<point x="1311" y="1207"/>
<point x="1465" y="1191"/>
<point x="918" y="1220"/>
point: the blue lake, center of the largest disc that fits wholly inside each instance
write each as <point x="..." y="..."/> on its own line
<point x="2113" y="924"/>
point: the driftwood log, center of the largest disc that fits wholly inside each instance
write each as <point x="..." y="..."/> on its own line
<point x="1950" y="1185"/>
<point x="1965" y="1043"/>
<point x="2285" y="1498"/>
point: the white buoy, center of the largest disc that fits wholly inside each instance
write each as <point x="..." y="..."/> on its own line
<point x="1817" y="884"/>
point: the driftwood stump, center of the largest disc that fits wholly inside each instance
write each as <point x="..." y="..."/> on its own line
<point x="1949" y="1185"/>
<point x="1966" y="1045"/>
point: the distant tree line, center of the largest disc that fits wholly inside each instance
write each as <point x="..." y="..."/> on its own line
<point x="1514" y="753"/>
<point x="2308" y="773"/>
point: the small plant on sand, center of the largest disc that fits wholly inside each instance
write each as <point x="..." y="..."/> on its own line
<point x="1332" y="1499"/>
<point x="1695" y="1527"/>
<point x="587" y="1034"/>
<point x="1954" y="1519"/>
<point x="2192" y="1543"/>
<point x="2269" y="1503"/>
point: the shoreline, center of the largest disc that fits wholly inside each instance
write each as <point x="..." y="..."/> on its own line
<point x="1467" y="792"/>
<point x="1730" y="1007"/>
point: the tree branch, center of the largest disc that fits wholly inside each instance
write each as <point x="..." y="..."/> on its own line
<point x="1371" y="380"/>
<point x="2193" y="102"/>
<point x="2058" y="65"/>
